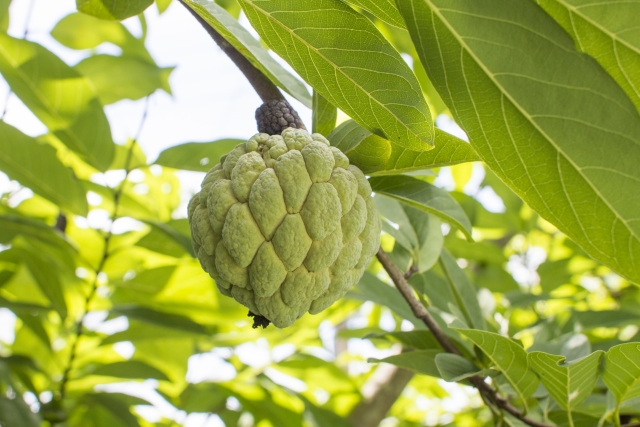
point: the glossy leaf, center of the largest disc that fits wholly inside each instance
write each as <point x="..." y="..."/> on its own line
<point x="123" y="77"/>
<point x="13" y="225"/>
<point x="416" y="230"/>
<point x="569" y="384"/>
<point x="81" y="31"/>
<point x="454" y="368"/>
<point x="378" y="156"/>
<point x="420" y="361"/>
<point x="62" y="99"/>
<point x="606" y="30"/>
<point x="545" y="118"/>
<point x="342" y="55"/>
<point x="250" y="48"/>
<point x="36" y="166"/>
<point x="370" y="288"/>
<point x="324" y="115"/>
<point x="164" y="239"/>
<point x="132" y="369"/>
<point x="112" y="9"/>
<point x="385" y="10"/>
<point x="196" y="156"/>
<point x="418" y="340"/>
<point x="424" y="196"/>
<point x="507" y="357"/>
<point x="463" y="291"/>
<point x="621" y="371"/>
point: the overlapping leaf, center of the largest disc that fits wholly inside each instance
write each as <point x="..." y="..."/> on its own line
<point x="509" y="358"/>
<point x="421" y="361"/>
<point x="61" y="98"/>
<point x="546" y="119"/>
<point x="250" y="48"/>
<point x="462" y="290"/>
<point x="569" y="384"/>
<point x="622" y="371"/>
<point x="378" y="156"/>
<point x="36" y="166"/>
<point x="196" y="156"/>
<point x="424" y="196"/>
<point x="324" y="115"/>
<point x="342" y="55"/>
<point x="385" y="10"/>
<point x="606" y="30"/>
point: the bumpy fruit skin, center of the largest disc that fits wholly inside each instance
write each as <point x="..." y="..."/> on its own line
<point x="285" y="225"/>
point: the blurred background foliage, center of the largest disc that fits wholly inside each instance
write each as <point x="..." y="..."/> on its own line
<point x="114" y="323"/>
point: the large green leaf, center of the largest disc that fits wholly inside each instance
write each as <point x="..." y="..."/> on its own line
<point x="507" y="357"/>
<point x="606" y="30"/>
<point x="250" y="48"/>
<point x="341" y="54"/>
<point x="548" y="120"/>
<point x="36" y="166"/>
<point x="420" y="361"/>
<point x="196" y="156"/>
<point x="378" y="156"/>
<point x="324" y="115"/>
<point x="113" y="9"/>
<point x="60" y="97"/>
<point x="123" y="77"/>
<point x="424" y="196"/>
<point x="621" y="371"/>
<point x="383" y="9"/>
<point x="569" y="384"/>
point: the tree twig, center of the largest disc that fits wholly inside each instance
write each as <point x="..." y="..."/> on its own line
<point x="79" y="330"/>
<point x="264" y="87"/>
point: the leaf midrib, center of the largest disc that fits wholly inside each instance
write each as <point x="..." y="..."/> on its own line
<point x="527" y="116"/>
<point x="310" y="47"/>
<point x="41" y="98"/>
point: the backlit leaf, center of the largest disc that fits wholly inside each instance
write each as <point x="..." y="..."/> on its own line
<point x="60" y="97"/>
<point x="342" y="55"/>
<point x="548" y="120"/>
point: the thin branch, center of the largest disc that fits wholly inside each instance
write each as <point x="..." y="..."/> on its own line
<point x="105" y="255"/>
<point x="264" y="87"/>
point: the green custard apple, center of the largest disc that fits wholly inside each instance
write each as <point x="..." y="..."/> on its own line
<point x="285" y="225"/>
